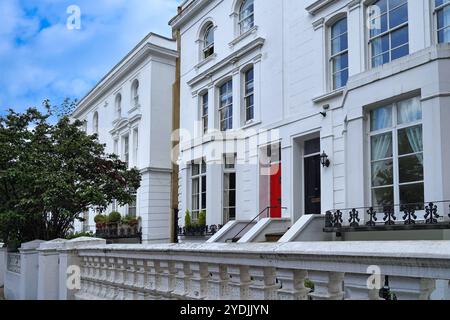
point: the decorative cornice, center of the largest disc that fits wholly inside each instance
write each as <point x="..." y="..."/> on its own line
<point x="354" y="4"/>
<point x="187" y="12"/>
<point x="231" y="59"/>
<point x="318" y="23"/>
<point x="241" y="37"/>
<point x="318" y="5"/>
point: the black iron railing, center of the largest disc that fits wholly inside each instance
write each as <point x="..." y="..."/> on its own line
<point x="430" y="215"/>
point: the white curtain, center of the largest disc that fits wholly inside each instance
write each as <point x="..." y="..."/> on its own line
<point x="381" y="144"/>
<point x="410" y="111"/>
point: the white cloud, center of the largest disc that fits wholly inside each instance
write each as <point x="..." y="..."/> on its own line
<point x="40" y="58"/>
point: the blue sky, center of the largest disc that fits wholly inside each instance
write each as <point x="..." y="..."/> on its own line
<point x="40" y="58"/>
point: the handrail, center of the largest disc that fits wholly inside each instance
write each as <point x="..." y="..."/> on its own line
<point x="253" y="220"/>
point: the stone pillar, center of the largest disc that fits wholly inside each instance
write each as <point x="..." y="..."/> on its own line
<point x="199" y="281"/>
<point x="412" y="288"/>
<point x="292" y="284"/>
<point x="327" y="285"/>
<point x="218" y="283"/>
<point x="3" y="259"/>
<point x="182" y="280"/>
<point x="240" y="281"/>
<point x="29" y="272"/>
<point x="48" y="280"/>
<point x="68" y="257"/>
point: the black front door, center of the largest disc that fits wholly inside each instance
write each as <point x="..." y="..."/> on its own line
<point x="312" y="185"/>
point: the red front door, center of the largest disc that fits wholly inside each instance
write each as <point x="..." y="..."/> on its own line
<point x="275" y="190"/>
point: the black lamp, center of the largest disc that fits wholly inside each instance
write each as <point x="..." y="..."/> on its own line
<point x="324" y="160"/>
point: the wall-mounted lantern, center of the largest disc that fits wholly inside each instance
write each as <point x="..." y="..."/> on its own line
<point x="324" y="160"/>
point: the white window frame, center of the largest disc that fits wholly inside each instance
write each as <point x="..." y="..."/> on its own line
<point x="95" y="122"/>
<point x="389" y="32"/>
<point x="135" y="145"/>
<point x="248" y="94"/>
<point x="227" y="171"/>
<point x="225" y="107"/>
<point x="126" y="149"/>
<point x="241" y="19"/>
<point x="207" y="47"/>
<point x="393" y="129"/>
<point x="135" y="93"/>
<point x="332" y="56"/>
<point x="204" y="113"/>
<point x="199" y="177"/>
<point x="435" y="15"/>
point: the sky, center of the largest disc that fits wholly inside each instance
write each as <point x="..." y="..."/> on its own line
<point x="42" y="58"/>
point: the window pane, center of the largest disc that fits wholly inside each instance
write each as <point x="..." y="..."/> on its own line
<point x="378" y="25"/>
<point x="382" y="197"/>
<point x="339" y="28"/>
<point x="443" y="16"/>
<point x="339" y="44"/>
<point x="340" y="62"/>
<point x="412" y="193"/>
<point x="396" y="3"/>
<point x="398" y="16"/>
<point x="381" y="118"/>
<point x="444" y="35"/>
<point x="312" y="146"/>
<point x="399" y="37"/>
<point x="380" y="45"/>
<point x="340" y="79"/>
<point x="409" y="111"/>
<point x="381" y="146"/>
<point x="195" y="169"/>
<point x="411" y="168"/>
<point x="382" y="173"/>
<point x="382" y="5"/>
<point x="410" y="140"/>
<point x="441" y="2"/>
<point x="400" y="52"/>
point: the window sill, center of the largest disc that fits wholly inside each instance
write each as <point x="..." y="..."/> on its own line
<point x="329" y="95"/>
<point x="250" y="124"/>
<point x="241" y="37"/>
<point x="205" y="61"/>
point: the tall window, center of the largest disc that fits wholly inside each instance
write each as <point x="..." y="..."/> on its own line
<point x="442" y="11"/>
<point x="229" y="189"/>
<point x="132" y="207"/>
<point x="204" y="107"/>
<point x="246" y="16"/>
<point x="397" y="154"/>
<point x="135" y="146"/>
<point x="126" y="149"/>
<point x="86" y="221"/>
<point x="95" y="123"/>
<point x="208" y="41"/>
<point x="389" y="37"/>
<point x="339" y="53"/>
<point x="226" y="106"/>
<point x="198" y="175"/>
<point x="249" y="98"/>
<point x="135" y="93"/>
<point x="116" y="147"/>
<point x="118" y="105"/>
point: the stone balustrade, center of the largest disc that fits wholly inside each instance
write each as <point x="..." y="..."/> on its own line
<point x="216" y="271"/>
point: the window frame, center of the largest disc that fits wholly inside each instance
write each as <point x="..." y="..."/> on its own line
<point x="200" y="176"/>
<point x="95" y="123"/>
<point x="393" y="129"/>
<point x="436" y="9"/>
<point x="126" y="149"/>
<point x="135" y="92"/>
<point x="229" y="171"/>
<point x="208" y="50"/>
<point x="248" y="94"/>
<point x="204" y="111"/>
<point x="388" y="32"/>
<point x="118" y="105"/>
<point x="229" y="106"/>
<point x="242" y="19"/>
<point x="338" y="54"/>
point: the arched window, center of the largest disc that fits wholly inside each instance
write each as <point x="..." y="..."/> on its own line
<point x="339" y="53"/>
<point x="208" y="41"/>
<point x="246" y="16"/>
<point x="118" y="105"/>
<point x="135" y="93"/>
<point x="95" y="123"/>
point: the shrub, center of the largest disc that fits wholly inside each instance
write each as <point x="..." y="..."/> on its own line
<point x="130" y="220"/>
<point x="80" y="234"/>
<point x="309" y="284"/>
<point x="187" y="219"/>
<point x="114" y="217"/>
<point x="202" y="219"/>
<point x="100" y="218"/>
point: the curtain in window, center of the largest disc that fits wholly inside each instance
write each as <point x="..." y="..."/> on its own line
<point x="410" y="111"/>
<point x="381" y="118"/>
<point x="381" y="149"/>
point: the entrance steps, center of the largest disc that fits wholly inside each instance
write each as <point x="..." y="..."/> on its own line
<point x="266" y="227"/>
<point x="229" y="231"/>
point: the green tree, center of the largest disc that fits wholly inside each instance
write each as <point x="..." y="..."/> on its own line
<point x="50" y="173"/>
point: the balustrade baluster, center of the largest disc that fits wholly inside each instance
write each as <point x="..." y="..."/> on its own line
<point x="218" y="282"/>
<point x="292" y="284"/>
<point x="406" y="288"/>
<point x="199" y="281"/>
<point x="183" y="275"/>
<point x="363" y="286"/>
<point x="327" y="285"/>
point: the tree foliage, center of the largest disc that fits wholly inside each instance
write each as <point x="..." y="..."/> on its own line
<point x="51" y="173"/>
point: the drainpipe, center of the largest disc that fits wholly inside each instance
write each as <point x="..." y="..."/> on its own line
<point x="175" y="128"/>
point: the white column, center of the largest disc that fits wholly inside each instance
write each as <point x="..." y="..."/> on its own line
<point x="48" y="279"/>
<point x="419" y="30"/>
<point x="214" y="190"/>
<point x="237" y="99"/>
<point x="356" y="287"/>
<point x="412" y="288"/>
<point x="356" y="41"/>
<point x="3" y="259"/>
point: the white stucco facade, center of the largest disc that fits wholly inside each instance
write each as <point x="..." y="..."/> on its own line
<point x="289" y="50"/>
<point x="131" y="110"/>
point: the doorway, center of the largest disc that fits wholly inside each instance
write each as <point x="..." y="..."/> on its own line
<point x="311" y="174"/>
